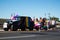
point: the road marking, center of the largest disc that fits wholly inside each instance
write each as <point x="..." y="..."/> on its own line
<point x="18" y="37"/>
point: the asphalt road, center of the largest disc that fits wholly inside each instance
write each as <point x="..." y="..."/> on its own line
<point x="31" y="35"/>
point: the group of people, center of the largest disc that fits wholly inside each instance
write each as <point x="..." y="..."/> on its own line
<point x="44" y="24"/>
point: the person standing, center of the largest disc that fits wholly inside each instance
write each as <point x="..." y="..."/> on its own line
<point x="53" y="24"/>
<point x="41" y="23"/>
<point x="37" y="24"/>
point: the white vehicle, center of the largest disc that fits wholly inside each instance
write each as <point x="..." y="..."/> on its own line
<point x="5" y="26"/>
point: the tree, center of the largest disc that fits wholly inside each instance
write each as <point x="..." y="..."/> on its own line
<point x="57" y="19"/>
<point x="2" y="20"/>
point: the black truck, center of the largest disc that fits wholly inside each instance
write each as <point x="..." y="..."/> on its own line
<point x="20" y="22"/>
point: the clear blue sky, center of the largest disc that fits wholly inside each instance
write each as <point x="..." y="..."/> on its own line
<point x="37" y="8"/>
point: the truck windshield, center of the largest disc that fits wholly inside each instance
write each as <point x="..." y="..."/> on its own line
<point x="17" y="18"/>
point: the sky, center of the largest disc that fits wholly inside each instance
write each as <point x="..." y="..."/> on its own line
<point x="32" y="8"/>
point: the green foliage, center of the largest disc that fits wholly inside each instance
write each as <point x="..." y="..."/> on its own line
<point x="2" y="20"/>
<point x="57" y="19"/>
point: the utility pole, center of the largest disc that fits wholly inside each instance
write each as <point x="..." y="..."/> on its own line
<point x="45" y="15"/>
<point x="49" y="15"/>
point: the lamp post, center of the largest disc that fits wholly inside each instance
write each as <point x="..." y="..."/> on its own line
<point x="45" y="15"/>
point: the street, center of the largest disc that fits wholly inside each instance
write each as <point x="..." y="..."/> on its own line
<point x="30" y="35"/>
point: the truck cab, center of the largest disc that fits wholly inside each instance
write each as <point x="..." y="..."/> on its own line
<point x="21" y="22"/>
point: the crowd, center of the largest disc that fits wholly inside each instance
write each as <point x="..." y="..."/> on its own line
<point x="44" y="24"/>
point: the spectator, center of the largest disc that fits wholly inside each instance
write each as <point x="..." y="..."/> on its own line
<point x="53" y="24"/>
<point x="44" y="24"/>
<point x="41" y="23"/>
<point x="37" y="25"/>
